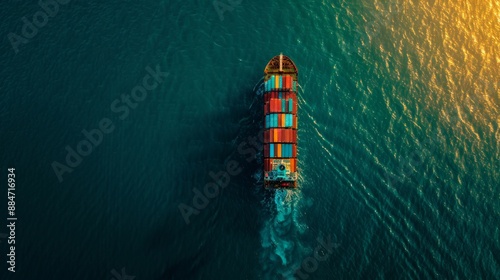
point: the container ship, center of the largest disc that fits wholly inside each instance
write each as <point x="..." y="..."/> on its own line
<point x="280" y="118"/>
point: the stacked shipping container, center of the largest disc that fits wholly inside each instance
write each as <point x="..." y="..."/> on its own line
<point x="280" y="134"/>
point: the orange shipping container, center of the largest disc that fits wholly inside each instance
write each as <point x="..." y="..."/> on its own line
<point x="294" y="150"/>
<point x="275" y="135"/>
<point x="279" y="150"/>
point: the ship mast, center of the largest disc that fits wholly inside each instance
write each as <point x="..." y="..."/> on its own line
<point x="281" y="62"/>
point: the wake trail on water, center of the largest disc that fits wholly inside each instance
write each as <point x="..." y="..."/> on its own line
<point x="282" y="252"/>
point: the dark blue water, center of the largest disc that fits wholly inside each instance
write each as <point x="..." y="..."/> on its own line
<point x="399" y="112"/>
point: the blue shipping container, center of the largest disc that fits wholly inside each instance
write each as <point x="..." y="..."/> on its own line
<point x="290" y="105"/>
<point x="281" y="81"/>
<point x="283" y="105"/>
<point x="271" y="150"/>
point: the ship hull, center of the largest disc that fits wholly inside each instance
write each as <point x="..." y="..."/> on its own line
<point x="280" y="123"/>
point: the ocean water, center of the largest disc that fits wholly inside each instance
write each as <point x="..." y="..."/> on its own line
<point x="399" y="112"/>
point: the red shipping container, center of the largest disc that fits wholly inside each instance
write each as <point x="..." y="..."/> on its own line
<point x="266" y="150"/>
<point x="294" y="136"/>
<point x="295" y="121"/>
<point x="294" y="150"/>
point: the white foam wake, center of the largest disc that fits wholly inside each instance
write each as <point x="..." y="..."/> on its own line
<point x="282" y="251"/>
